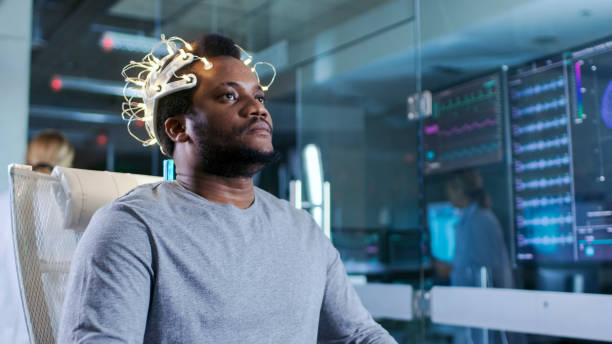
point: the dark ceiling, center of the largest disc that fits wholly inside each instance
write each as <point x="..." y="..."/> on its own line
<point x="66" y="44"/>
<point x="372" y="72"/>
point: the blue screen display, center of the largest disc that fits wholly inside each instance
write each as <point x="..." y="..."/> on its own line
<point x="442" y="217"/>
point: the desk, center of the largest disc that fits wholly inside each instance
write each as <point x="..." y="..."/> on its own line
<point x="409" y="271"/>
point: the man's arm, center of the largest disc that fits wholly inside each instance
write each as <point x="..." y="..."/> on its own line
<point x="107" y="297"/>
<point x="343" y="318"/>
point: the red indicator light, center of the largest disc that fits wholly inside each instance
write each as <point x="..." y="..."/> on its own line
<point x="101" y="140"/>
<point x="56" y="83"/>
<point x="107" y="44"/>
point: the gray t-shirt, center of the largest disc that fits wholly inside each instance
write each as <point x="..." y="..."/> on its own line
<point x="164" y="265"/>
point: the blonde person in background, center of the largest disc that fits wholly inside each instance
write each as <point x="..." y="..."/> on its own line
<point x="49" y="149"/>
<point x="45" y="151"/>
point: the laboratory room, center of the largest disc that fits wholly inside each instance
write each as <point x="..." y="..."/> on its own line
<point x="286" y="171"/>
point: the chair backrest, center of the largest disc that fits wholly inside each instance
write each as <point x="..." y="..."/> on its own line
<point x="48" y="215"/>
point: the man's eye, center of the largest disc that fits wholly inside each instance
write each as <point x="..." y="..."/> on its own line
<point x="261" y="99"/>
<point x="229" y="96"/>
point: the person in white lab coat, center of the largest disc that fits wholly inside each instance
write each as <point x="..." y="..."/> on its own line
<point x="45" y="150"/>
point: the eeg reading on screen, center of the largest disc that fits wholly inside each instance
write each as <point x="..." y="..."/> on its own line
<point x="465" y="126"/>
<point x="541" y="169"/>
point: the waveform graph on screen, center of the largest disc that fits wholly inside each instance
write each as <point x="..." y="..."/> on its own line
<point x="542" y="164"/>
<point x="465" y="128"/>
<point x="591" y="91"/>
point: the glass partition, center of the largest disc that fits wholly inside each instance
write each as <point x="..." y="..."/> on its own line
<point x="351" y="99"/>
<point x="515" y="147"/>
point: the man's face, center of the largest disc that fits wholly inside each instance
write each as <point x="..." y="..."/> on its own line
<point x="230" y="101"/>
<point x="230" y="125"/>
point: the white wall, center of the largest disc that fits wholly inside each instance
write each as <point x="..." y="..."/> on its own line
<point x="15" y="37"/>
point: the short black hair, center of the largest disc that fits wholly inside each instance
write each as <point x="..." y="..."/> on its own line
<point x="209" y="46"/>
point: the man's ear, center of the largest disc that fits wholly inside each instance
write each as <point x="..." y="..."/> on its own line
<point x="176" y="128"/>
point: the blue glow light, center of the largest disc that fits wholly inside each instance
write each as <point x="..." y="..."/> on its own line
<point x="589" y="251"/>
<point x="606" y="106"/>
<point x="442" y="218"/>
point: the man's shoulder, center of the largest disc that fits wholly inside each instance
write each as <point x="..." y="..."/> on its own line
<point x="121" y="221"/>
<point x="280" y="208"/>
<point x="140" y="198"/>
<point x="276" y="204"/>
<point x="146" y="193"/>
<point x="268" y="198"/>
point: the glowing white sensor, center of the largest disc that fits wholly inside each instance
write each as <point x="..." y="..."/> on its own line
<point x="153" y="78"/>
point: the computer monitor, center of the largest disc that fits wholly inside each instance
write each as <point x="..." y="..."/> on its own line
<point x="442" y="217"/>
<point x="591" y="91"/>
<point x="561" y="123"/>
<point x="541" y="155"/>
<point x="465" y="128"/>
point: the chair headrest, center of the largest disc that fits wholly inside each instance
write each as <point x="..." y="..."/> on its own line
<point x="82" y="192"/>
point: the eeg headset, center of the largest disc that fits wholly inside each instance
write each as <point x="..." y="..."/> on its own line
<point x="156" y="78"/>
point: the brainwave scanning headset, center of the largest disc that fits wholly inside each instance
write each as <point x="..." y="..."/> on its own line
<point x="155" y="77"/>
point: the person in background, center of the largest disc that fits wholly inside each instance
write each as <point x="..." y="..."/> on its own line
<point x="49" y="149"/>
<point x="481" y="255"/>
<point x="479" y="239"/>
<point x="45" y="151"/>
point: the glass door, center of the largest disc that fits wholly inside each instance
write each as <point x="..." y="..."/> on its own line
<point x="464" y="146"/>
<point x="516" y="183"/>
<point x="358" y="151"/>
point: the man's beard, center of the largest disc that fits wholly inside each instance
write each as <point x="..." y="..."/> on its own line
<point x="232" y="161"/>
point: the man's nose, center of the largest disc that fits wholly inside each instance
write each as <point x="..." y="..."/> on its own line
<point x="256" y="108"/>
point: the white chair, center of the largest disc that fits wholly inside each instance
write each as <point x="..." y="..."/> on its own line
<point x="48" y="216"/>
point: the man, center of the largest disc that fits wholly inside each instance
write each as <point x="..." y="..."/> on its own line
<point x="46" y="150"/>
<point x="210" y="258"/>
